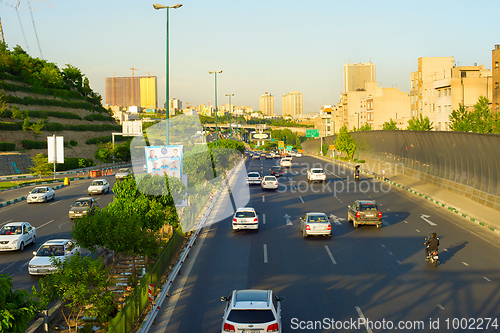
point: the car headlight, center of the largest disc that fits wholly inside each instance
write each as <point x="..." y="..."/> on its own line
<point x="15" y="241"/>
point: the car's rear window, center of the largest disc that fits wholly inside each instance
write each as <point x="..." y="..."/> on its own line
<point x="368" y="206"/>
<point x="318" y="171"/>
<point x="270" y="179"/>
<point x="253" y="175"/>
<point x="251" y="316"/>
<point x="318" y="219"/>
<point x="245" y="214"/>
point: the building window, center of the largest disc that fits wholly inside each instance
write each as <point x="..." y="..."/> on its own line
<point x="433" y="107"/>
<point x="439" y="108"/>
<point x="439" y="126"/>
<point x="439" y="93"/>
<point x="463" y="74"/>
<point x="328" y="120"/>
<point x="328" y="128"/>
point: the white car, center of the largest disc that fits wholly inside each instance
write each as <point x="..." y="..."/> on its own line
<point x="253" y="178"/>
<point x="16" y="235"/>
<point x="59" y="248"/>
<point x="245" y="218"/>
<point x="286" y="162"/>
<point x="252" y="311"/>
<point x="316" y="174"/>
<point x="298" y="155"/>
<point x="315" y="224"/>
<point x="98" y="186"/>
<point x="269" y="182"/>
<point x="41" y="194"/>
<point x="123" y="173"/>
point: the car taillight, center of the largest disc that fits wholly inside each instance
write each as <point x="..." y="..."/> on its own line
<point x="255" y="219"/>
<point x="380" y="214"/>
<point x="263" y="183"/>
<point x="308" y="227"/>
<point x="329" y="227"/>
<point x="273" y="328"/>
<point x="229" y="328"/>
<point x="358" y="215"/>
<point x="276" y="183"/>
<point x="258" y="178"/>
<point x="235" y="220"/>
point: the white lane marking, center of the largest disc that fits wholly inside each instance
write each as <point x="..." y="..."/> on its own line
<point x="384" y="222"/>
<point x="55" y="202"/>
<point x="387" y="209"/>
<point x="425" y="218"/>
<point x="15" y="262"/>
<point x="391" y="253"/>
<point x="43" y="225"/>
<point x="484" y="277"/>
<point x="406" y="221"/>
<point x="417" y="230"/>
<point x="263" y="218"/>
<point x="399" y="262"/>
<point x="265" y="253"/>
<point x="263" y="199"/>
<point x="60" y="225"/>
<point x="288" y="219"/>
<point x="440" y="306"/>
<point x="361" y="315"/>
<point x="465" y="264"/>
<point x="383" y="245"/>
<point x="301" y="199"/>
<point x="330" y="255"/>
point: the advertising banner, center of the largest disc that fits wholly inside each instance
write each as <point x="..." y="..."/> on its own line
<point x="164" y="159"/>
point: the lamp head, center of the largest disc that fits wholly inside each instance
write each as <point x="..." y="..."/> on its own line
<point x="157" y="6"/>
<point x="176" y="6"/>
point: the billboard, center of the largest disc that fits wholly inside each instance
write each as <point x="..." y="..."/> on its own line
<point x="162" y="160"/>
<point x="260" y="136"/>
<point x="55" y="146"/>
<point x="312" y="133"/>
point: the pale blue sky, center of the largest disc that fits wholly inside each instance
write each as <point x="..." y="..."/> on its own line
<point x="275" y="45"/>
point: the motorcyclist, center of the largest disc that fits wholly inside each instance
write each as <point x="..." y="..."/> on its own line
<point x="432" y="244"/>
<point x="356" y="172"/>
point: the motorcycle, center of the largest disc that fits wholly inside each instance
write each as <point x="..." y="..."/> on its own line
<point x="356" y="173"/>
<point x="432" y="257"/>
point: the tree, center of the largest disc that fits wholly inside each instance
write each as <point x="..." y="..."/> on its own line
<point x="390" y="125"/>
<point x="420" y="123"/>
<point x="50" y="76"/>
<point x="481" y="120"/>
<point x="41" y="166"/>
<point x="345" y="143"/>
<point x="104" y="153"/>
<point x="366" y="127"/>
<point x="82" y="283"/>
<point x="17" y="113"/>
<point x="459" y="120"/>
<point x="37" y="128"/>
<point x="17" y="308"/>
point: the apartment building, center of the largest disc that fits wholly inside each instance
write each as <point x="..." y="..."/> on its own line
<point x="132" y="91"/>
<point x="495" y="93"/>
<point x="356" y="75"/>
<point x="266" y="104"/>
<point x="292" y="104"/>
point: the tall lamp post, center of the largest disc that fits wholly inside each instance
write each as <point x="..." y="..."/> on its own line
<point x="157" y="6"/>
<point x="230" y="127"/>
<point x="357" y="146"/>
<point x="216" y="131"/>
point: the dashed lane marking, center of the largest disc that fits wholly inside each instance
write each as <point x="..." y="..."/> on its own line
<point x="265" y="253"/>
<point x="330" y="255"/>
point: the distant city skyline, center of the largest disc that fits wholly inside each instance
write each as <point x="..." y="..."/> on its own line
<point x="288" y="46"/>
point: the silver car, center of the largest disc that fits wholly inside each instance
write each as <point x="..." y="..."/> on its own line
<point x="245" y="218"/>
<point x="123" y="173"/>
<point x="315" y="224"/>
<point x="41" y="194"/>
<point x="16" y="235"/>
<point x="60" y="248"/>
<point x="269" y="182"/>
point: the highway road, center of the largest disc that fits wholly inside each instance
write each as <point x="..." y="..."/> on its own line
<point x="376" y="274"/>
<point x="51" y="221"/>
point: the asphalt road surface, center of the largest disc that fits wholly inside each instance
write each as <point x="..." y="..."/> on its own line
<point x="51" y="221"/>
<point x="376" y="274"/>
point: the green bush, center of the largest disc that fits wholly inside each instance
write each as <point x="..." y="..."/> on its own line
<point x="10" y="126"/>
<point x="7" y="146"/>
<point x="92" y="117"/>
<point x="28" y="144"/>
<point x="73" y="143"/>
<point x="52" y="102"/>
<point x="71" y="163"/>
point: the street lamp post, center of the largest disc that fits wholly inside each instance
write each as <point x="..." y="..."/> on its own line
<point x="230" y="127"/>
<point x="216" y="131"/>
<point x="157" y="6"/>
<point x="357" y="147"/>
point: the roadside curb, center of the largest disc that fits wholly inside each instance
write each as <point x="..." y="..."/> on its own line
<point x="438" y="202"/>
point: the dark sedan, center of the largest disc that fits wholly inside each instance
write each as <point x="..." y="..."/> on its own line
<point x="364" y="212"/>
<point x="276" y="171"/>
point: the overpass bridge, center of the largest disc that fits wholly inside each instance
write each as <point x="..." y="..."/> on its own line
<point x="250" y="128"/>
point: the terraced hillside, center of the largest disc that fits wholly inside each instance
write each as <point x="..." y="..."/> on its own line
<point x="39" y="100"/>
